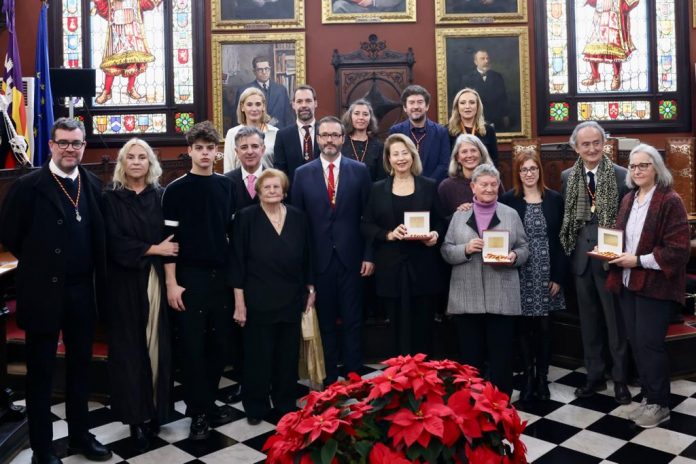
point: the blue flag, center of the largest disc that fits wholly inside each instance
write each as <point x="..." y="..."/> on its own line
<point x="43" y="98"/>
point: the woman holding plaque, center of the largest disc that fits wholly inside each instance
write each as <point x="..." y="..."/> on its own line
<point x="455" y="191"/>
<point x="650" y="276"/>
<point x="407" y="266"/>
<point x="484" y="296"/>
<point x="251" y="111"/>
<point x="361" y="143"/>
<point x="544" y="273"/>
<point x="467" y="118"/>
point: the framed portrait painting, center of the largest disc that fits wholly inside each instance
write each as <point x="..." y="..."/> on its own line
<point x="242" y="60"/>
<point x="256" y="14"/>
<point x="367" y="11"/>
<point x="495" y="62"/>
<point x="480" y="11"/>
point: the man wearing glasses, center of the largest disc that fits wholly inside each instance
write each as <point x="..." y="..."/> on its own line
<point x="51" y="222"/>
<point x="277" y="100"/>
<point x="333" y="191"/>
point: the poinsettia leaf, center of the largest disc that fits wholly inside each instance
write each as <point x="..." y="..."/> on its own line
<point x="412" y="402"/>
<point x="414" y="452"/>
<point x="328" y="451"/>
<point x="363" y="447"/>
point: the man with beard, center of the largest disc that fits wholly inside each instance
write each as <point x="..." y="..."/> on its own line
<point x="491" y="87"/>
<point x="430" y="138"/>
<point x="296" y="144"/>
<point x="341" y="256"/>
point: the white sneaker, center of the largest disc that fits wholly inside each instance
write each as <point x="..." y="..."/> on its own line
<point x="653" y="415"/>
<point x="638" y="411"/>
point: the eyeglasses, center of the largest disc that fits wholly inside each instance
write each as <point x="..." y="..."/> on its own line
<point x="263" y="69"/>
<point x="330" y="136"/>
<point x="63" y="144"/>
<point x="529" y="170"/>
<point x="640" y="166"/>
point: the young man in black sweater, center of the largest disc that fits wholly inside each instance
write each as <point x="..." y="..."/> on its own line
<point x="198" y="209"/>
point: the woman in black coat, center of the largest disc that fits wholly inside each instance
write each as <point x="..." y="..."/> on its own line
<point x="139" y="342"/>
<point x="408" y="272"/>
<point x="544" y="274"/>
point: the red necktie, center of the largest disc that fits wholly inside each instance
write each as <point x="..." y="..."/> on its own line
<point x="307" y="143"/>
<point x="331" y="187"/>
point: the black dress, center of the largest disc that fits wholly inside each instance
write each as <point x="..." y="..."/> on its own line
<point x="133" y="223"/>
<point x="371" y="157"/>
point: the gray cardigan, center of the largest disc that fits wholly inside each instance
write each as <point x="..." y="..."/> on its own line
<point x="477" y="288"/>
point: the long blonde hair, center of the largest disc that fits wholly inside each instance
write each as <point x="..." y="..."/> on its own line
<point x="154" y="170"/>
<point x="454" y="126"/>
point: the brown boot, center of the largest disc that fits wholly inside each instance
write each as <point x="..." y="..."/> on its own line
<point x="134" y="94"/>
<point x="590" y="80"/>
<point x="103" y="97"/>
<point x="615" y="83"/>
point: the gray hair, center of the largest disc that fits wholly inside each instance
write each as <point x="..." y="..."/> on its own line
<point x="248" y="131"/>
<point x="485" y="170"/>
<point x="583" y="125"/>
<point x="455" y="170"/>
<point x="663" y="178"/>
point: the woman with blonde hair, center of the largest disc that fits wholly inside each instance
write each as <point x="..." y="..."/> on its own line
<point x="139" y="346"/>
<point x="467" y="118"/>
<point x="252" y="110"/>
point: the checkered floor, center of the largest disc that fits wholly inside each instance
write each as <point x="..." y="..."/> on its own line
<point x="564" y="430"/>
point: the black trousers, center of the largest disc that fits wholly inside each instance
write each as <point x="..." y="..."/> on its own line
<point x="488" y="338"/>
<point x="646" y="321"/>
<point x="78" y="333"/>
<point x="204" y="330"/>
<point x="535" y="342"/>
<point x="412" y="318"/>
<point x="271" y="354"/>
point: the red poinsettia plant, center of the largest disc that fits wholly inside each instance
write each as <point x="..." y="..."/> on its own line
<point x="415" y="411"/>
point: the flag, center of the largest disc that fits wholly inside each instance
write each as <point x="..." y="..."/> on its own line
<point x="43" y="97"/>
<point x="12" y="80"/>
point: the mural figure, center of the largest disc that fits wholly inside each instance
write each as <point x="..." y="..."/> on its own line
<point x="126" y="53"/>
<point x="610" y="39"/>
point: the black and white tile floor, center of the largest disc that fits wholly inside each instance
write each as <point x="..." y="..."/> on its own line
<point x="564" y="430"/>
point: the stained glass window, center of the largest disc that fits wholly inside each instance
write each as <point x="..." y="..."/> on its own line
<point x="144" y="55"/>
<point x="617" y="61"/>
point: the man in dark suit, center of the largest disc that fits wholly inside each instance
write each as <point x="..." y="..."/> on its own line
<point x="277" y="100"/>
<point x="296" y="144"/>
<point x="51" y="222"/>
<point x="249" y="147"/>
<point x="430" y="138"/>
<point x="592" y="192"/>
<point x="491" y="87"/>
<point x="333" y="191"/>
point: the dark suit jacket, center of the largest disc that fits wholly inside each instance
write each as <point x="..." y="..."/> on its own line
<point x="241" y="195"/>
<point x="552" y="207"/>
<point x="287" y="153"/>
<point x="277" y="103"/>
<point x="587" y="237"/>
<point x="423" y="264"/>
<point x="31" y="228"/>
<point x="493" y="95"/>
<point x="436" y="151"/>
<point x="334" y="229"/>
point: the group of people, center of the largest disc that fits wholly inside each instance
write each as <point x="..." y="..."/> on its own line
<point x="303" y="216"/>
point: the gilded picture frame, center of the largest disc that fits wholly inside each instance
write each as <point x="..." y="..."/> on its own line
<point x="235" y="15"/>
<point x="347" y="11"/>
<point x="508" y="50"/>
<point x="480" y="11"/>
<point x="232" y="56"/>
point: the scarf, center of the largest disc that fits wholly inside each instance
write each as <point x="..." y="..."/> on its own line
<point x="577" y="203"/>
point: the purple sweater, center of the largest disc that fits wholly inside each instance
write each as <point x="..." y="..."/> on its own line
<point x="484" y="213"/>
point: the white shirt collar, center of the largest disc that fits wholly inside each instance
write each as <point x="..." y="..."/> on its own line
<point x="593" y="171"/>
<point x="325" y="163"/>
<point x="55" y="170"/>
<point x="268" y="84"/>
<point x="256" y="173"/>
<point x="301" y="124"/>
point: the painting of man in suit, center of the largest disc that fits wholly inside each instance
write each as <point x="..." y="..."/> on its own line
<point x="251" y="10"/>
<point x="490" y="85"/>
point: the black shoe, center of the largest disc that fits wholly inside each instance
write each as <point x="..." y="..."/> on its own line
<point x="621" y="393"/>
<point x="200" y="429"/>
<point x="234" y="396"/>
<point x="89" y="447"/>
<point x="152" y="428"/>
<point x="590" y="388"/>
<point x="253" y="421"/>
<point x="139" y="437"/>
<point x="45" y="458"/>
<point x="223" y="415"/>
<point x="527" y="392"/>
<point x="542" y="388"/>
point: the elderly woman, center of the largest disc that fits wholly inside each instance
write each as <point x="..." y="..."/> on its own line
<point x="362" y="144"/>
<point x="272" y="286"/>
<point x="467" y="118"/>
<point x="484" y="298"/>
<point x="139" y="345"/>
<point x="455" y="192"/>
<point x="650" y="276"/>
<point x="544" y="273"/>
<point x="251" y="111"/>
<point x="407" y="272"/>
